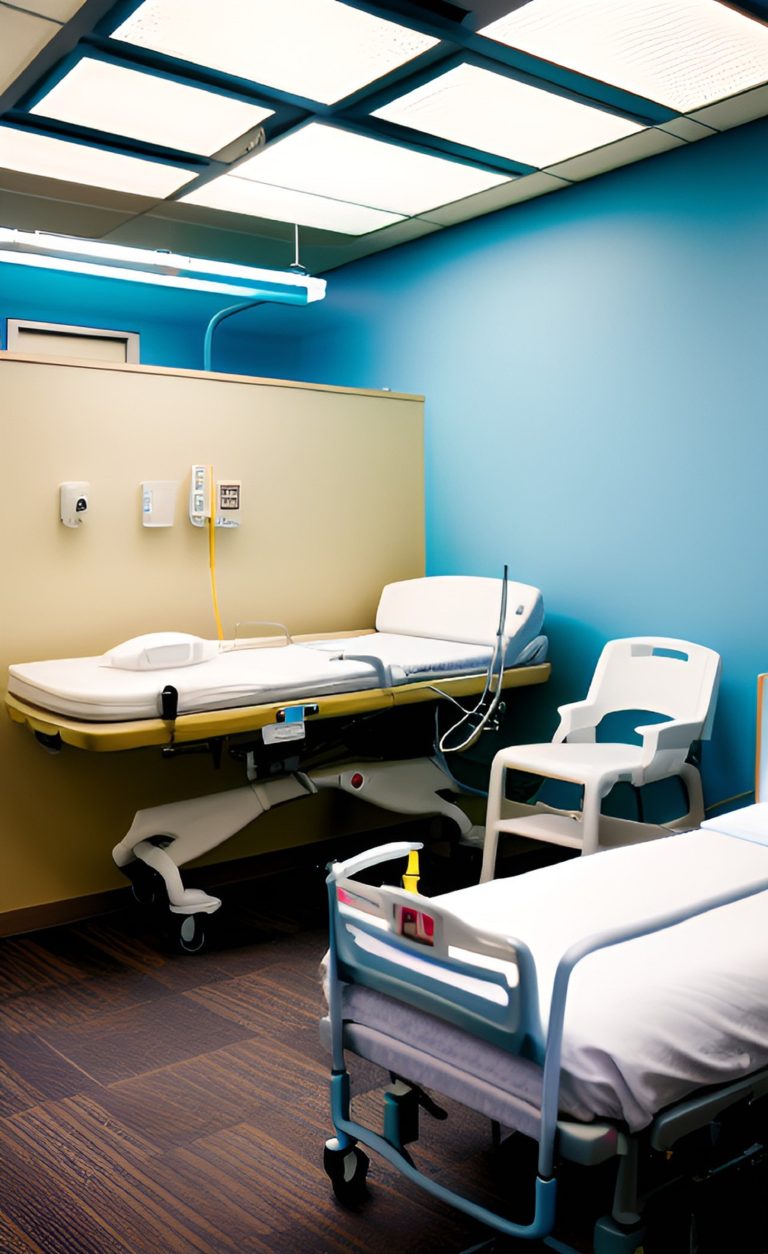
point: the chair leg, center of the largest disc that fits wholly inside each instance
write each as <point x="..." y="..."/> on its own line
<point x="492" y="817"/>
<point x="692" y="783"/>
<point x="590" y="821"/>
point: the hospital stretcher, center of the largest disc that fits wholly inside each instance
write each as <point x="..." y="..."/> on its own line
<point x="434" y="637"/>
<point x="610" y="1008"/>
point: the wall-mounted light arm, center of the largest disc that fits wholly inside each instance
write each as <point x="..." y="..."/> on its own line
<point x="214" y="322"/>
<point x="164" y="269"/>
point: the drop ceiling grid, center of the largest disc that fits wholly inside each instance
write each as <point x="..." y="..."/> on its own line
<point x="31" y="199"/>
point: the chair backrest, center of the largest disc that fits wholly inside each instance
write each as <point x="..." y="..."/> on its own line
<point x="670" y="677"/>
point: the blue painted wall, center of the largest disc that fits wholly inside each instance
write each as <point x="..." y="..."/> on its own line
<point x="171" y="323"/>
<point x="594" y="367"/>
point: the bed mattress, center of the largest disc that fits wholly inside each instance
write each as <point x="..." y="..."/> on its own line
<point x="647" y="1022"/>
<point x="90" y="688"/>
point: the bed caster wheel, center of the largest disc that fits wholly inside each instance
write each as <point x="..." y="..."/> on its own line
<point x="147" y="887"/>
<point x="346" y="1170"/>
<point x="192" y="933"/>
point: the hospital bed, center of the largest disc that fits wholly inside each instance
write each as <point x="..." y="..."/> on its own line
<point x="456" y="637"/>
<point x="610" y="1008"/>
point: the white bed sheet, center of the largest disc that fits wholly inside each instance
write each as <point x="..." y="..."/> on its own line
<point x="649" y="1021"/>
<point x="90" y="688"/>
<point x="410" y="657"/>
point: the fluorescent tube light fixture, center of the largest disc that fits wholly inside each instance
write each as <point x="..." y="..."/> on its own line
<point x="144" y="265"/>
<point x="281" y="204"/>
<point x="146" y="106"/>
<point x="32" y="153"/>
<point x="498" y="114"/>
<point x="682" y="53"/>
<point x="319" y="49"/>
<point x="327" y="161"/>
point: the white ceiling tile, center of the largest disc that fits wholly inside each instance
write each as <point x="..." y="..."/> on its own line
<point x="22" y="37"/>
<point x="525" y="188"/>
<point x="624" y="152"/>
<point x="687" y="129"/>
<point x="739" y="109"/>
<point x="389" y="237"/>
<point x="58" y="10"/>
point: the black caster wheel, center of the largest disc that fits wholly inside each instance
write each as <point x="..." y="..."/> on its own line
<point x="147" y="886"/>
<point x="346" y="1170"/>
<point x="192" y="933"/>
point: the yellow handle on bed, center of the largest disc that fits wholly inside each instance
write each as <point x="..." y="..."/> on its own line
<point x="411" y="876"/>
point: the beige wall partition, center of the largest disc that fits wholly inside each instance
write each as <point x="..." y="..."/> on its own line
<point x="332" y="509"/>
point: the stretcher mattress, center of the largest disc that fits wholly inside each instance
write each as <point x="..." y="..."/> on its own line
<point x="647" y="1022"/>
<point x="431" y="628"/>
<point x="90" y="688"/>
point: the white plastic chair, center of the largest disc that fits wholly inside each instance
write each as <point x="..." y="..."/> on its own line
<point x="669" y="677"/>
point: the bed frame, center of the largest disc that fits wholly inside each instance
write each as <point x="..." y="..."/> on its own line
<point x="374" y="934"/>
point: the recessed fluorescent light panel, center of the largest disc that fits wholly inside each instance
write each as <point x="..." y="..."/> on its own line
<point x="319" y="49"/>
<point x="497" y="114"/>
<point x="681" y="53"/>
<point x="145" y="106"/>
<point x="31" y="153"/>
<point x="144" y="265"/>
<point x="343" y="165"/>
<point x="283" y="205"/>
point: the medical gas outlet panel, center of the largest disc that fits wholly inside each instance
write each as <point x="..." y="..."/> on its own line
<point x="222" y="497"/>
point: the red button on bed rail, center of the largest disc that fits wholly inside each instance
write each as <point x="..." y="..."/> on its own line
<point x="415" y="925"/>
<point x="357" y="780"/>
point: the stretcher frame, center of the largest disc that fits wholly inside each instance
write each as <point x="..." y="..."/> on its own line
<point x="161" y="839"/>
<point x="407" y="920"/>
<point x="215" y="724"/>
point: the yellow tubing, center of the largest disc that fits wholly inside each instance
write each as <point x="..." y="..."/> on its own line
<point x="411" y="876"/>
<point x="212" y="555"/>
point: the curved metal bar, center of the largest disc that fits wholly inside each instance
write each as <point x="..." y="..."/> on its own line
<point x="219" y="317"/>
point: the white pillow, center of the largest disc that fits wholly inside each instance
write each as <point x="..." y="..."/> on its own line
<point x="161" y="650"/>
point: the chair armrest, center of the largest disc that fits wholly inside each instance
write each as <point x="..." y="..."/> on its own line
<point x="577" y="716"/>
<point x="674" y="734"/>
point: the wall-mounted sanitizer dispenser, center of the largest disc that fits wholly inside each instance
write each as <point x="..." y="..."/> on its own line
<point x="158" y="502"/>
<point x="73" y="502"/>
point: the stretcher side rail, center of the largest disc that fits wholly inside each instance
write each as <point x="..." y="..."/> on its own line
<point x="347" y="963"/>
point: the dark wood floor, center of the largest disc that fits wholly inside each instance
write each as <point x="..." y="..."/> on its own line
<point x="153" y="1102"/>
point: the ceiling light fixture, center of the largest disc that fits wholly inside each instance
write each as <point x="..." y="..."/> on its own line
<point x="323" y="160"/>
<point x="122" y="100"/>
<point x="283" y="204"/>
<point x="164" y="269"/>
<point x="317" y="49"/>
<point x="493" y="112"/>
<point x="29" y="152"/>
<point x="681" y="53"/>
